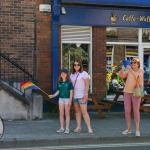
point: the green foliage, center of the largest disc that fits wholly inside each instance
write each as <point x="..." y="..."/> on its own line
<point x="70" y="53"/>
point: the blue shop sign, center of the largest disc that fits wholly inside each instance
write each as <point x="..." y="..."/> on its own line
<point x="134" y="3"/>
<point x="96" y="16"/>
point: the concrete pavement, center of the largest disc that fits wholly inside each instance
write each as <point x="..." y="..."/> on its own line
<point x="43" y="132"/>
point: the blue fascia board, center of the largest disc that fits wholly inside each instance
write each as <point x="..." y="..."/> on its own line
<point x="133" y="3"/>
<point x="90" y="16"/>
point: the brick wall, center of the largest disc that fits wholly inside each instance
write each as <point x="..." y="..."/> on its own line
<point x="17" y="31"/>
<point x="99" y="61"/>
<point x="44" y="53"/>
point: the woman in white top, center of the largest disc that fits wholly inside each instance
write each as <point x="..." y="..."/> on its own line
<point x="80" y="81"/>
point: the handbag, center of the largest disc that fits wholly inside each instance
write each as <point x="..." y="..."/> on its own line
<point x="138" y="91"/>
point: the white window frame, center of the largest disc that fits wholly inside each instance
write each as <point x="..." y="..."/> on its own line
<point x="78" y="41"/>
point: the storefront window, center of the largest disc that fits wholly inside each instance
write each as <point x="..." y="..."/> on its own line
<point x="122" y="34"/>
<point x="115" y="55"/>
<point x="146" y="35"/>
<point x="131" y="52"/>
<point x="72" y="51"/>
<point x="147" y="70"/>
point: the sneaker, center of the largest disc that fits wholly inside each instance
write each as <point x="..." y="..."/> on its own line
<point x="126" y="132"/>
<point x="77" y="130"/>
<point x="66" y="131"/>
<point x="137" y="133"/>
<point x="90" y="131"/>
<point x="60" y="130"/>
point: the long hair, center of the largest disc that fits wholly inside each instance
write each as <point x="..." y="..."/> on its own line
<point x="80" y="63"/>
<point x="67" y="78"/>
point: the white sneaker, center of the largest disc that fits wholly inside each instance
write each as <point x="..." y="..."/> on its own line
<point x="137" y="133"/>
<point x="90" y="131"/>
<point x="60" y="130"/>
<point x="126" y="132"/>
<point x="66" y="131"/>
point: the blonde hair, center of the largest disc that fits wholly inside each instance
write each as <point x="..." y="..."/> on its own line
<point x="137" y="61"/>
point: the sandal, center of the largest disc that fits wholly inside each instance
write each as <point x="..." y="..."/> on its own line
<point x="90" y="131"/>
<point x="77" y="130"/>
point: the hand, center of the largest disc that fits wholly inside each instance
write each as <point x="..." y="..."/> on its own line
<point x="123" y="67"/>
<point x="85" y="98"/>
<point x="51" y="96"/>
<point x="128" y="67"/>
<point x="69" y="103"/>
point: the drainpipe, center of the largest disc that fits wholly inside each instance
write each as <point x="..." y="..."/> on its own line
<point x="35" y="52"/>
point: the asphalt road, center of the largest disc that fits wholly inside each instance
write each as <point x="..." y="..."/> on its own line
<point x="117" y="146"/>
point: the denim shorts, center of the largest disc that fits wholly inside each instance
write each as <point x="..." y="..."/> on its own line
<point x="78" y="100"/>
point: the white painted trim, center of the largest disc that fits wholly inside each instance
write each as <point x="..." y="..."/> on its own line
<point x="140" y="48"/>
<point x="122" y="43"/>
<point x="90" y="63"/>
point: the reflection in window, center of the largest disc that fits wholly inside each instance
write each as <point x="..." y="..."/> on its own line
<point x="122" y="34"/>
<point x="147" y="70"/>
<point x="146" y="35"/>
<point x="131" y="52"/>
<point x="72" y="51"/>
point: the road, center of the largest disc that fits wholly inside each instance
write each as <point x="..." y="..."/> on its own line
<point x="117" y="146"/>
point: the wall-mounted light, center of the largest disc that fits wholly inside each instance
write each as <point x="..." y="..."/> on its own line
<point x="63" y="11"/>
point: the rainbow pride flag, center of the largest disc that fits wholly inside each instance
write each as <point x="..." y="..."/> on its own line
<point x="114" y="66"/>
<point x="29" y="85"/>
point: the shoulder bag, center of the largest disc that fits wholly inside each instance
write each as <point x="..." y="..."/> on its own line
<point x="138" y="89"/>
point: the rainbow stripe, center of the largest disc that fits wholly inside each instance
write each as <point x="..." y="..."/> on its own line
<point x="29" y="85"/>
<point x="114" y="66"/>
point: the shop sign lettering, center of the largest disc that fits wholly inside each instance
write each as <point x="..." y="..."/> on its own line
<point x="132" y="18"/>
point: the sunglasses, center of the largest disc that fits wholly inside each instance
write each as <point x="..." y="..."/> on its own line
<point x="76" y="64"/>
<point x="133" y="62"/>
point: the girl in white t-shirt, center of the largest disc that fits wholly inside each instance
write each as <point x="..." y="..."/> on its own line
<point x="80" y="81"/>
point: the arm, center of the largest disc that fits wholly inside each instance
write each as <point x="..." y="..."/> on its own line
<point x="54" y="95"/>
<point x="85" y="97"/>
<point x="71" y="96"/>
<point x="137" y="75"/>
<point x="122" y="74"/>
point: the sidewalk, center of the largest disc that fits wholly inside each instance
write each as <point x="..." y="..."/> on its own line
<point x="43" y="132"/>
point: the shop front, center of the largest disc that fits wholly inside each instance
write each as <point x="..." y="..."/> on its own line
<point x="103" y="35"/>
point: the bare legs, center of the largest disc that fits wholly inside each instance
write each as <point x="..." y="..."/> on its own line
<point x="82" y="109"/>
<point x="64" y="109"/>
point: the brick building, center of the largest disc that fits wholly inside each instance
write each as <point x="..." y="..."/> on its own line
<point x="107" y="31"/>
